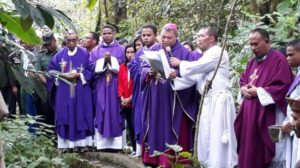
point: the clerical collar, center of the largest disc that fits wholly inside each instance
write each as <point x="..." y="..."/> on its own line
<point x="71" y="53"/>
<point x="261" y="58"/>
<point x="106" y="44"/>
<point x="149" y="48"/>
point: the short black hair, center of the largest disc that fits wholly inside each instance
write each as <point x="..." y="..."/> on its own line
<point x="95" y="36"/>
<point x="152" y="27"/>
<point x="295" y="44"/>
<point x="122" y="41"/>
<point x="108" y="26"/>
<point x="189" y="44"/>
<point x="212" y="31"/>
<point x="264" y="33"/>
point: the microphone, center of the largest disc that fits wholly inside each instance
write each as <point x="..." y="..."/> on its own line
<point x="168" y="49"/>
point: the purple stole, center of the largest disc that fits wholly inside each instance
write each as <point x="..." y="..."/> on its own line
<point x="294" y="84"/>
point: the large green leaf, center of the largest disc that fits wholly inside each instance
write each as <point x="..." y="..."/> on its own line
<point x="30" y="84"/>
<point x="58" y="14"/>
<point x="26" y="23"/>
<point x="48" y="18"/>
<point x="40" y="89"/>
<point x="22" y="7"/>
<point x="13" y="24"/>
<point x="61" y="15"/>
<point x="23" y="80"/>
<point x="36" y="15"/>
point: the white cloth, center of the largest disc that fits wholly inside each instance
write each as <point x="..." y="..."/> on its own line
<point x="109" y="143"/>
<point x="292" y="142"/>
<point x="216" y="141"/>
<point x="264" y="97"/>
<point x="114" y="66"/>
<point x="65" y="143"/>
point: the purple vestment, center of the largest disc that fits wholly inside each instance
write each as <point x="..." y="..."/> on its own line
<point x="108" y="119"/>
<point x="73" y="115"/>
<point x="255" y="148"/>
<point x="134" y="68"/>
<point x="163" y="108"/>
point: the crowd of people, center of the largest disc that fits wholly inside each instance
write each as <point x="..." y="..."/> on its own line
<point x="104" y="92"/>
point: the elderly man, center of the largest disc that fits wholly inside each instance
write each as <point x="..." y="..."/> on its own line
<point x="216" y="139"/>
<point x="73" y="103"/>
<point x="169" y="115"/>
<point x="264" y="85"/>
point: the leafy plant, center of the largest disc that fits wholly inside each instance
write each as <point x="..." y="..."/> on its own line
<point x="31" y="150"/>
<point x="284" y="26"/>
<point x="176" y="160"/>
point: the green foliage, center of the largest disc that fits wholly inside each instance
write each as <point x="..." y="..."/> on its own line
<point x="31" y="150"/>
<point x="30" y="84"/>
<point x="20" y="22"/>
<point x="180" y="156"/>
<point x="13" y="24"/>
<point x="91" y="4"/>
<point x="284" y="27"/>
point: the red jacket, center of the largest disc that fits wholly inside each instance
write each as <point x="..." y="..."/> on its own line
<point x="124" y="87"/>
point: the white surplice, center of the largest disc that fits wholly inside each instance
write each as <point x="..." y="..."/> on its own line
<point x="66" y="143"/>
<point x="216" y="141"/>
<point x="292" y="142"/>
<point x="266" y="99"/>
<point x="101" y="142"/>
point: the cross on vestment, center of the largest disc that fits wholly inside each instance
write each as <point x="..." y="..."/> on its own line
<point x="72" y="87"/>
<point x="253" y="76"/>
<point x="80" y="68"/>
<point x="62" y="65"/>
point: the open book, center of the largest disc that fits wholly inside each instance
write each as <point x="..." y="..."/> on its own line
<point x="158" y="62"/>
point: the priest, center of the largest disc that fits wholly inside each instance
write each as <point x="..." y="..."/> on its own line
<point x="72" y="103"/>
<point x="264" y="84"/>
<point x="105" y="60"/>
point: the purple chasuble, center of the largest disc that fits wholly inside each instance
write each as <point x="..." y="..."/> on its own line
<point x="108" y="119"/>
<point x="163" y="108"/>
<point x="255" y="148"/>
<point x="73" y="115"/>
<point x="134" y="68"/>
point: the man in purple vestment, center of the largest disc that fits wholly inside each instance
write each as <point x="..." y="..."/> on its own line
<point x="148" y="36"/>
<point x="105" y="60"/>
<point x="264" y="85"/>
<point x="168" y="115"/>
<point x="73" y="104"/>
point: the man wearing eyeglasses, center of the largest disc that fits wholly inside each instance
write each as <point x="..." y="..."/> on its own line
<point x="72" y="96"/>
<point x="90" y="41"/>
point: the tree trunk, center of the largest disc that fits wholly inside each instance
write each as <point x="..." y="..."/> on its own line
<point x="120" y="11"/>
<point x="99" y="15"/>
